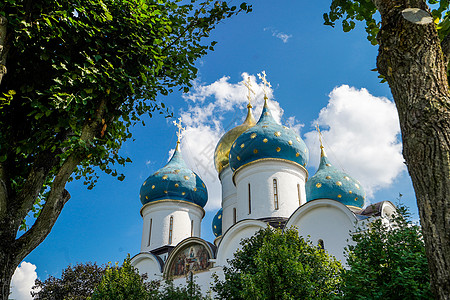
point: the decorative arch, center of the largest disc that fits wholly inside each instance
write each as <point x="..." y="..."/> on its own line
<point x="327" y="221"/>
<point x="148" y="263"/>
<point x="231" y="239"/>
<point x="193" y="254"/>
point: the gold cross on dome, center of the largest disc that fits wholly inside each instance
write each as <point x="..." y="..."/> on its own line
<point x="250" y="90"/>
<point x="180" y="129"/>
<point x="320" y="135"/>
<point x="265" y="82"/>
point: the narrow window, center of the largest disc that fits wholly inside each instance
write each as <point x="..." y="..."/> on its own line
<point x="275" y="193"/>
<point x="298" y="192"/>
<point x="234" y="215"/>
<point x="170" y="230"/>
<point x="249" y="200"/>
<point x="320" y="244"/>
<point x="192" y="227"/>
<point x="150" y="233"/>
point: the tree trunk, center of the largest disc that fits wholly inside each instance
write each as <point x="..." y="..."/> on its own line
<point x="411" y="59"/>
<point x="3" y="46"/>
<point x="7" y="268"/>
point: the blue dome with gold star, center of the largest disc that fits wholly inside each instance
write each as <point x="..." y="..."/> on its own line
<point x="332" y="183"/>
<point x="175" y="181"/>
<point x="217" y="223"/>
<point x="268" y="139"/>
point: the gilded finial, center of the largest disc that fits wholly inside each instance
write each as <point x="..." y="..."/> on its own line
<point x="250" y="90"/>
<point x="322" y="151"/>
<point x="265" y="82"/>
<point x="180" y="130"/>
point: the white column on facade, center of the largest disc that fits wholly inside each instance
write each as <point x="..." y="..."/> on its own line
<point x="229" y="198"/>
<point x="186" y="221"/>
<point x="259" y="176"/>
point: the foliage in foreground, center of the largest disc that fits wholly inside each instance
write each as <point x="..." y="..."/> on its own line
<point x="388" y="262"/>
<point x="280" y="265"/>
<point x="76" y="283"/>
<point x="125" y="283"/>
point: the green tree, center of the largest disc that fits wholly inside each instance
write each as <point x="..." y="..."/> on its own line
<point x="387" y="261"/>
<point x="276" y="264"/>
<point x="74" y="76"/>
<point x="123" y="283"/>
<point x="76" y="283"/>
<point x="413" y="57"/>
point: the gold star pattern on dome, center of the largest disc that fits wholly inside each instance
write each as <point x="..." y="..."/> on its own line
<point x="177" y="185"/>
<point x="248" y="85"/>
<point x="277" y="134"/>
<point x="253" y="135"/>
<point x="278" y="149"/>
<point x="265" y="140"/>
<point x="290" y="142"/>
<point x="164" y="177"/>
<point x="265" y="82"/>
<point x="255" y="151"/>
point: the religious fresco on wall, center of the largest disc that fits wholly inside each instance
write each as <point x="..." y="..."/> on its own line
<point x="193" y="258"/>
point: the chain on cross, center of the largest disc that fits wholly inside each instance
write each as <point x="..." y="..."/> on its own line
<point x="265" y="82"/>
<point x="180" y="129"/>
<point x="250" y="90"/>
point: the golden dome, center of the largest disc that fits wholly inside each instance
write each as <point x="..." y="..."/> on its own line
<point x="223" y="147"/>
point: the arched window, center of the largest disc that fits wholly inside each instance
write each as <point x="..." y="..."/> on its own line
<point x="150" y="232"/>
<point x="320" y="244"/>
<point x="234" y="215"/>
<point x="298" y="192"/>
<point x="249" y="200"/>
<point x="192" y="227"/>
<point x="170" y="229"/>
<point x="275" y="194"/>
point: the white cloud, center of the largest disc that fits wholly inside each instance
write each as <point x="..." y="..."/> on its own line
<point x="214" y="109"/>
<point x="361" y="134"/>
<point x="22" y="281"/>
<point x="280" y="35"/>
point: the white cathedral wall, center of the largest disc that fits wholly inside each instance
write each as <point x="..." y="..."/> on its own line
<point x="260" y="175"/>
<point x="328" y="220"/>
<point x="229" y="198"/>
<point x="158" y="215"/>
<point x="203" y="280"/>
<point x="146" y="263"/>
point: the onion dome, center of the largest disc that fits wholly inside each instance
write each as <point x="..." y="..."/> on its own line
<point x="217" y="223"/>
<point x="332" y="183"/>
<point x="268" y="139"/>
<point x="223" y="147"/>
<point x="175" y="181"/>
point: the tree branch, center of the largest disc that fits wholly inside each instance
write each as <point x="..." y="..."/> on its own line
<point x="58" y="195"/>
<point x="3" y="191"/>
<point x="3" y="47"/>
<point x="445" y="45"/>
<point x="34" y="182"/>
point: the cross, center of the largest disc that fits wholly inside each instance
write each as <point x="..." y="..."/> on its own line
<point x="249" y="87"/>
<point x="320" y="135"/>
<point x="180" y="129"/>
<point x="265" y="82"/>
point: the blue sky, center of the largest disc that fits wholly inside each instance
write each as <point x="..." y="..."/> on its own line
<point x="318" y="74"/>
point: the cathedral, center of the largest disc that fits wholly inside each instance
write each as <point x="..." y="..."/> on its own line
<point x="262" y="170"/>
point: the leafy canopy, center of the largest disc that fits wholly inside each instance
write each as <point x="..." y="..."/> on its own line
<point x="76" y="283"/>
<point x="387" y="261"/>
<point x="349" y="11"/>
<point x="81" y="72"/>
<point x="276" y="264"/>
